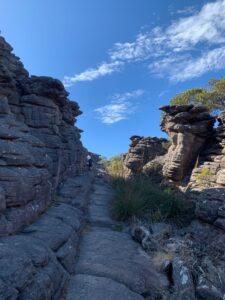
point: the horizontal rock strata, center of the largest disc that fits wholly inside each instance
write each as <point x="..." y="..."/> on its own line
<point x="142" y="151"/>
<point x="208" y="179"/>
<point x="39" y="144"/>
<point x="189" y="128"/>
<point x="37" y="263"/>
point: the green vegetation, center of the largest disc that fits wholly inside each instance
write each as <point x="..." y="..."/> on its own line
<point x="203" y="176"/>
<point x="139" y="197"/>
<point x="114" y="165"/>
<point x="213" y="97"/>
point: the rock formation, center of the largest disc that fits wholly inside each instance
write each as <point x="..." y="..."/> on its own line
<point x="189" y="128"/>
<point x="208" y="179"/>
<point x="141" y="152"/>
<point x="197" y="150"/>
<point x="39" y="144"/>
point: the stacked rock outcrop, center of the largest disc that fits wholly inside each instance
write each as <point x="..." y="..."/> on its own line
<point x="197" y="150"/>
<point x="208" y="179"/>
<point x="39" y="144"/>
<point x="189" y="129"/>
<point x="141" y="152"/>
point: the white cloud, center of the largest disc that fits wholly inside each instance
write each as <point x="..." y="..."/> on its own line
<point x="209" y="61"/>
<point x="119" y="108"/>
<point x="187" y="48"/>
<point x="91" y="74"/>
<point x="128" y="95"/>
<point x="206" y="26"/>
<point x="185" y="11"/>
<point x="114" y="112"/>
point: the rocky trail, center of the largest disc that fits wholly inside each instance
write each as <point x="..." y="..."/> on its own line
<point x="75" y="250"/>
<point x="110" y="264"/>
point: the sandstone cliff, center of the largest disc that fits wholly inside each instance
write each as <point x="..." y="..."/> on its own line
<point x="39" y="144"/>
<point x="197" y="152"/>
<point x="141" y="153"/>
<point x="189" y="129"/>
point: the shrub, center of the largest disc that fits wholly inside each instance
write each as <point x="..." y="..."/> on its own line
<point x="114" y="166"/>
<point x="138" y="197"/>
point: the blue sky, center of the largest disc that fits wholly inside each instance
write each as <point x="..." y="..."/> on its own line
<point x="119" y="59"/>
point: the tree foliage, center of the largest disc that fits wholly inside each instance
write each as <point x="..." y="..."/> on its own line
<point x="213" y="97"/>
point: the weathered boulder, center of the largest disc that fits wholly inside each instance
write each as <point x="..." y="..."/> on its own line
<point x="39" y="144"/>
<point x="189" y="128"/>
<point x="142" y="151"/>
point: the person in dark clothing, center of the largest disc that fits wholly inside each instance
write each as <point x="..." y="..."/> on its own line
<point x="89" y="162"/>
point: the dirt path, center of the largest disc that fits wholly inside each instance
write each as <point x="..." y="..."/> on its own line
<point x="110" y="265"/>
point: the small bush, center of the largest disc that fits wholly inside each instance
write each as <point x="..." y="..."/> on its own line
<point x="114" y="166"/>
<point x="138" y="197"/>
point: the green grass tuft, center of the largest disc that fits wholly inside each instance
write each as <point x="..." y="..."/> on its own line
<point x="139" y="197"/>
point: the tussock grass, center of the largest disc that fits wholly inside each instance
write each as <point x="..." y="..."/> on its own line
<point x="139" y="197"/>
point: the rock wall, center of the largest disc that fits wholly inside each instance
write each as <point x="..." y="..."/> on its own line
<point x="38" y="262"/>
<point x="208" y="179"/>
<point x="39" y="144"/>
<point x="141" y="152"/>
<point x="197" y="150"/>
<point x="189" y="129"/>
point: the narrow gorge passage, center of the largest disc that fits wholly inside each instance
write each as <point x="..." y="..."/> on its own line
<point x="110" y="264"/>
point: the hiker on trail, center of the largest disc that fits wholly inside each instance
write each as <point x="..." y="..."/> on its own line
<point x="89" y="162"/>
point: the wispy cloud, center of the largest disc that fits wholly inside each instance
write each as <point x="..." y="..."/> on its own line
<point x="189" y="47"/>
<point x="119" y="108"/>
<point x="188" y="10"/>
<point x="163" y="93"/>
<point x="91" y="74"/>
<point x="210" y="61"/>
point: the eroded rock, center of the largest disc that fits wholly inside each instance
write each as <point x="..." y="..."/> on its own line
<point x="189" y="128"/>
<point x="39" y="144"/>
<point x="141" y="152"/>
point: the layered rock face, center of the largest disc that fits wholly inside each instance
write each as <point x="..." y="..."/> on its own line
<point x="197" y="150"/>
<point x="39" y="144"/>
<point x="208" y="179"/>
<point x="141" y="152"/>
<point x="189" y="129"/>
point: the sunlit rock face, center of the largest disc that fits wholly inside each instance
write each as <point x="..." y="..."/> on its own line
<point x="189" y="129"/>
<point x="142" y="151"/>
<point x="39" y="144"/>
<point x="208" y="179"/>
